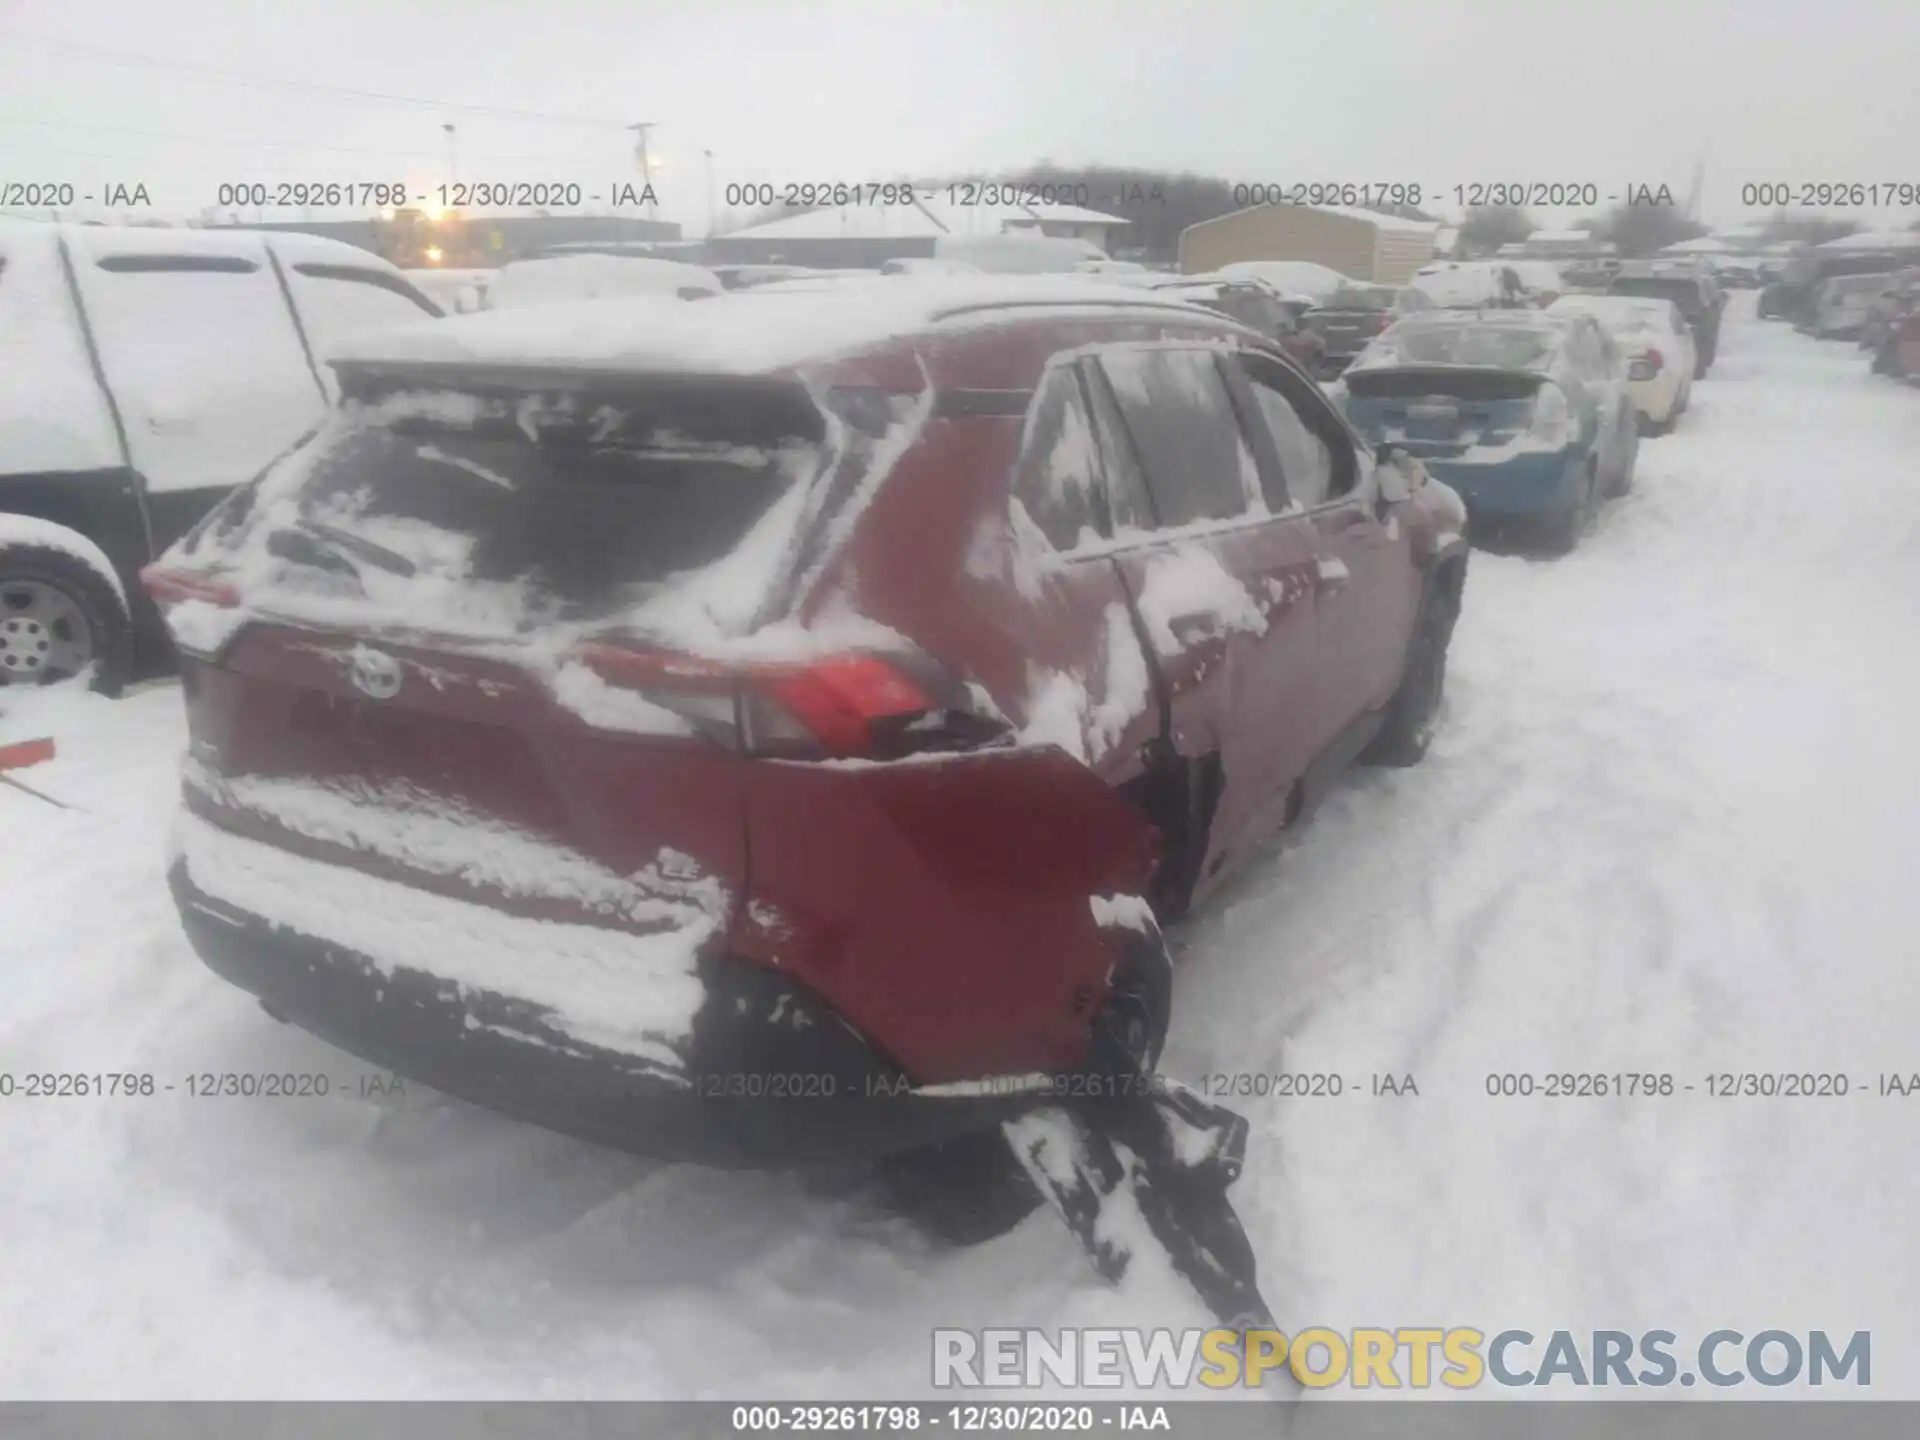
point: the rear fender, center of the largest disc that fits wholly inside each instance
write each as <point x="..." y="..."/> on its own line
<point x="940" y="905"/>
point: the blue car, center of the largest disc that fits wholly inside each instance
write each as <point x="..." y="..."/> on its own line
<point x="1527" y="415"/>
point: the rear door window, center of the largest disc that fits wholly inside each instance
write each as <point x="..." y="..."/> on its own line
<point x="1174" y="406"/>
<point x="1056" y="478"/>
<point x="1310" y="470"/>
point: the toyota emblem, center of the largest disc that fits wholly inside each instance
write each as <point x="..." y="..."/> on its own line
<point x="374" y="674"/>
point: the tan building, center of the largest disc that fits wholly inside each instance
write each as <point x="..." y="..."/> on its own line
<point x="1358" y="243"/>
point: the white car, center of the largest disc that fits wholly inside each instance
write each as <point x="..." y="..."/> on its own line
<point x="1658" y="344"/>
<point x="1842" y="303"/>
<point x="563" y="279"/>
<point x="1289" y="277"/>
<point x="148" y="371"/>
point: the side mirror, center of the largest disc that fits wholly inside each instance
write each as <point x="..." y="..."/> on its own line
<point x="1397" y="474"/>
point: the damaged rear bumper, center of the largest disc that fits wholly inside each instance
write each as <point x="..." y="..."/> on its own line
<point x="767" y="1077"/>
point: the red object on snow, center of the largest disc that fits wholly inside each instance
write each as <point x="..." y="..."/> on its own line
<point x="27" y="752"/>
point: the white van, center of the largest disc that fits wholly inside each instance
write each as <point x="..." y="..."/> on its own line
<point x="148" y="371"/>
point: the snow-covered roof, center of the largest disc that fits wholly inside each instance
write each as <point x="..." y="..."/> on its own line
<point x="1391" y="223"/>
<point x="1700" y="245"/>
<point x="1559" y="237"/>
<point x="742" y="332"/>
<point x="927" y="218"/>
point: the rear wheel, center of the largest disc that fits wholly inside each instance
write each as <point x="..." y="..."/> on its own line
<point x="1564" y="533"/>
<point x="1414" y="712"/>
<point x="972" y="1189"/>
<point x="60" y="618"/>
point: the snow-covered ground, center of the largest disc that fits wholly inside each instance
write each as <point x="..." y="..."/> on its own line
<point x="1670" y="825"/>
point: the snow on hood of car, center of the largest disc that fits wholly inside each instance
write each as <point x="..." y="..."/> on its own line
<point x="741" y="332"/>
<point x="635" y="993"/>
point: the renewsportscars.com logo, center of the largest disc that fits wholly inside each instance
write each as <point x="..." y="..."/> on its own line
<point x="1458" y="1358"/>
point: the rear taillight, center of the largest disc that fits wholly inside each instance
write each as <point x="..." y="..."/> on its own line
<point x="202" y="612"/>
<point x="852" y="705"/>
<point x="1645" y="365"/>
<point x="1551" y="416"/>
<point x="1382" y="321"/>
<point x="170" y="586"/>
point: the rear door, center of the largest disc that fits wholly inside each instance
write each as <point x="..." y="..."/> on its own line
<point x="201" y="353"/>
<point x="1223" y="584"/>
<point x="1367" y="586"/>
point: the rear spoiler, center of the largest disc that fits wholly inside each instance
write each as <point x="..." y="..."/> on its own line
<point x="1465" y="382"/>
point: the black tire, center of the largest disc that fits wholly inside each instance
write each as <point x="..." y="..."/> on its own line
<point x="972" y="1189"/>
<point x="30" y="573"/>
<point x="1564" y="533"/>
<point x="1414" y="712"/>
<point x="1622" y="483"/>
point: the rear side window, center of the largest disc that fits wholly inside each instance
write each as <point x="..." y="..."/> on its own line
<point x="1056" y="479"/>
<point x="339" y="301"/>
<point x="1175" y="408"/>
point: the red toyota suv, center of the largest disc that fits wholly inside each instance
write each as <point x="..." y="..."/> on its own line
<point x="768" y="730"/>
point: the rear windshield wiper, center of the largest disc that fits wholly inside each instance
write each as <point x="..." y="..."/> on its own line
<point x="300" y="543"/>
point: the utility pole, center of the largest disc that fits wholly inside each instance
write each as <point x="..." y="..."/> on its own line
<point x="453" y="157"/>
<point x="709" y="155"/>
<point x="640" y="129"/>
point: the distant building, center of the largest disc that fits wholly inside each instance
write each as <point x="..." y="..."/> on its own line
<point x="1358" y="243"/>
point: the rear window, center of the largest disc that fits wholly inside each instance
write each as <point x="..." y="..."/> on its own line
<point x="1510" y="347"/>
<point x="516" y="508"/>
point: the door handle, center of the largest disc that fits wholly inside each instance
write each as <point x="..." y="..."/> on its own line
<point x="1331" y="573"/>
<point x="1196" y="626"/>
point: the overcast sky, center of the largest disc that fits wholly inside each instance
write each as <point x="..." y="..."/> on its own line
<point x="1434" y="92"/>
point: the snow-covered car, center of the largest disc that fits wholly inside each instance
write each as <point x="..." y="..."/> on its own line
<point x="1524" y="413"/>
<point x="773" y="729"/>
<point x="1472" y="285"/>
<point x="562" y="279"/>
<point x="1841" y="305"/>
<point x="1255" y="304"/>
<point x="927" y="265"/>
<point x="1289" y="277"/>
<point x="1352" y="315"/>
<point x="1692" y="290"/>
<point x="1898" y="299"/>
<point x="1019" y="253"/>
<point x="146" y="372"/>
<point x="1899" y="353"/>
<point x="458" y="292"/>
<point x="1658" y="345"/>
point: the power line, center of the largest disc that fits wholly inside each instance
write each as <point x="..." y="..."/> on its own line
<point x="263" y="82"/>
<point x="242" y="144"/>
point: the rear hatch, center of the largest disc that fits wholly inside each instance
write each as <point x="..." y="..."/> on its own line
<point x="1441" y="412"/>
<point x="417" y="636"/>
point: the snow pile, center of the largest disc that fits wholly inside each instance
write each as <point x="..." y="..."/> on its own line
<point x="633" y="993"/>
